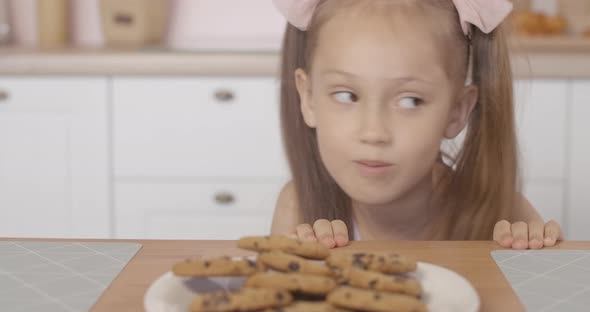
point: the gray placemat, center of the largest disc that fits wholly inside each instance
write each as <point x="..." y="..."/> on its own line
<point x="58" y="276"/>
<point x="548" y="280"/>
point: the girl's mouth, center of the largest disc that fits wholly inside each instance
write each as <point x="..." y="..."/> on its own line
<point x="373" y="167"/>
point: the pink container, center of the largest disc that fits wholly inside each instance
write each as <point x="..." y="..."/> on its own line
<point x="86" y="25"/>
<point x="225" y="25"/>
<point x="23" y="16"/>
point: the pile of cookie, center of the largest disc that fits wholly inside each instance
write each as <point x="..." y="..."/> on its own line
<point x="290" y="275"/>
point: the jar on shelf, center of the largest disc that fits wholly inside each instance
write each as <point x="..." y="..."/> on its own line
<point x="86" y="23"/>
<point x="23" y="19"/>
<point x="134" y="22"/>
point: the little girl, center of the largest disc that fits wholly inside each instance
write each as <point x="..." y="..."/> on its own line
<point x="370" y="90"/>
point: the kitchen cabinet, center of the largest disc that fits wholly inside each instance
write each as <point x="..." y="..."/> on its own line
<point x="195" y="210"/>
<point x="54" y="157"/>
<point x="197" y="127"/>
<point x="200" y="157"/>
<point x="540" y="111"/>
<point x="197" y="157"/>
<point x="578" y="212"/>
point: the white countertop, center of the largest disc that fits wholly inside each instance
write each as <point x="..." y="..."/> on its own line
<point x="555" y="58"/>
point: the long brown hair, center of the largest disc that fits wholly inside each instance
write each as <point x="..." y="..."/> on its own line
<point x="482" y="187"/>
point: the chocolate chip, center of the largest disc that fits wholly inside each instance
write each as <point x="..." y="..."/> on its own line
<point x="377" y="297"/>
<point x="293" y="266"/>
<point x="280" y="296"/>
<point x="358" y="262"/>
<point x="298" y="296"/>
<point x="251" y="263"/>
<point x="222" y="298"/>
<point x="207" y="264"/>
<point x="256" y="244"/>
<point x="372" y="284"/>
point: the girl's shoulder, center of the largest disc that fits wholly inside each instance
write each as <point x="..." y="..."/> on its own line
<point x="287" y="214"/>
<point x="288" y="195"/>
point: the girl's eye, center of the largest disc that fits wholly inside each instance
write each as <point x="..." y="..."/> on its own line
<point x="345" y="97"/>
<point x="410" y="102"/>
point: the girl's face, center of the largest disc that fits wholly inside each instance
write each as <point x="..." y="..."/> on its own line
<point x="381" y="102"/>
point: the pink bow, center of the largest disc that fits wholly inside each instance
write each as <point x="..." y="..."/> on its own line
<point x="484" y="14"/>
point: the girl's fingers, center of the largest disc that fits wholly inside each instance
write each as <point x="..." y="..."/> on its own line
<point x="305" y="232"/>
<point x="503" y="234"/>
<point x="323" y="232"/>
<point x="340" y="233"/>
<point x="552" y="233"/>
<point x="536" y="230"/>
<point x="520" y="233"/>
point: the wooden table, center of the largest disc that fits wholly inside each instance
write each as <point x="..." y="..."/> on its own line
<point x="469" y="258"/>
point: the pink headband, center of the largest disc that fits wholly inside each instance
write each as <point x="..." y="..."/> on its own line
<point x="484" y="14"/>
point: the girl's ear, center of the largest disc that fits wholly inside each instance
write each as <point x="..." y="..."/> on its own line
<point x="304" y="89"/>
<point x="460" y="113"/>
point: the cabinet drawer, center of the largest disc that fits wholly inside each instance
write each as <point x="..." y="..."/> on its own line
<point x="222" y="127"/>
<point x="141" y="206"/>
<point x="207" y="227"/>
<point x="49" y="94"/>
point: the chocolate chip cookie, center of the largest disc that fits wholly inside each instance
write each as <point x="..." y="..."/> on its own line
<point x="224" y="266"/>
<point x="385" y="262"/>
<point x="284" y="262"/>
<point x="295" y="282"/>
<point x="312" y="250"/>
<point x="246" y="299"/>
<point x="304" y="306"/>
<point x="370" y="300"/>
<point x="380" y="281"/>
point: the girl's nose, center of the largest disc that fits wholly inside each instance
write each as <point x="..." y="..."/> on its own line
<point x="374" y="128"/>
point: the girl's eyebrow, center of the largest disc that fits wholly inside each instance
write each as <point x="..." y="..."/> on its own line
<point x="398" y="80"/>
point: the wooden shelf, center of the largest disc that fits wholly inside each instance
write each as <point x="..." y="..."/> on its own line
<point x="557" y="44"/>
<point x="532" y="57"/>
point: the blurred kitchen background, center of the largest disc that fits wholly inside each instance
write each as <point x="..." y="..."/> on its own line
<point x="159" y="118"/>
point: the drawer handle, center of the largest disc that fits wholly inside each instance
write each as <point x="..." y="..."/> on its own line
<point x="123" y="19"/>
<point x="224" y="198"/>
<point x="4" y="96"/>
<point x="224" y="96"/>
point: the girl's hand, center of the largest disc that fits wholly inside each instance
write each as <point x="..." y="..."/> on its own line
<point x="330" y="233"/>
<point x="520" y="235"/>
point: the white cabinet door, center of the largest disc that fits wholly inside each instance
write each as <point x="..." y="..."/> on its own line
<point x="54" y="157"/>
<point x="540" y="108"/>
<point x="197" y="127"/>
<point x="196" y="157"/>
<point x="578" y="216"/>
<point x="191" y="210"/>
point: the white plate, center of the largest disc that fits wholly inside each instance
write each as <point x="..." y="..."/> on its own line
<point x="444" y="290"/>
